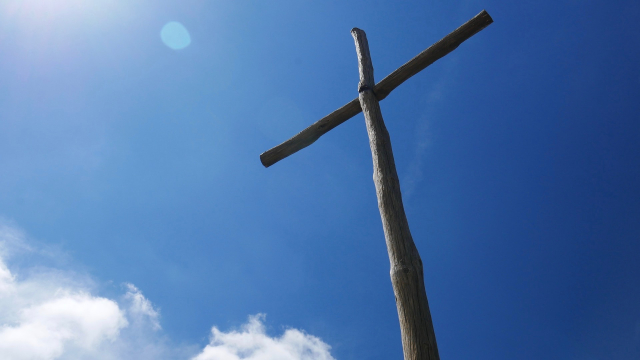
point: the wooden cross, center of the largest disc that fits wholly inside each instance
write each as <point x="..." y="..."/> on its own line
<point x="418" y="336"/>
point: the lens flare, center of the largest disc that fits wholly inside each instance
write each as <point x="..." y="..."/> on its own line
<point x="175" y="35"/>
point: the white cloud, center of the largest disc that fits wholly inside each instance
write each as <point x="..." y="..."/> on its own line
<point x="50" y="314"/>
<point x="141" y="308"/>
<point x="68" y="322"/>
<point x="252" y="343"/>
<point x="6" y="279"/>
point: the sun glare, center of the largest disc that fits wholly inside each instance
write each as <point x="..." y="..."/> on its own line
<point x="41" y="12"/>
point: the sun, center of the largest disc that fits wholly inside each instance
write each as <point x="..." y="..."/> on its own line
<point x="44" y="12"/>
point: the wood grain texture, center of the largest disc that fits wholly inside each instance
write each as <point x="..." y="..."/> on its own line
<point x="418" y="336"/>
<point x="436" y="51"/>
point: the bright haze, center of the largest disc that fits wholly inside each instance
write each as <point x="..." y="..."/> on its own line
<point x="138" y="223"/>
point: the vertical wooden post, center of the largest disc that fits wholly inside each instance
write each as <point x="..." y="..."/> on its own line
<point x="418" y="336"/>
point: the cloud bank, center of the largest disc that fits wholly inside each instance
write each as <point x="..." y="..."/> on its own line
<point x="50" y="314"/>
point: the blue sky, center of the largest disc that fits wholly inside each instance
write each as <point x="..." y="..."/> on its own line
<point x="131" y="179"/>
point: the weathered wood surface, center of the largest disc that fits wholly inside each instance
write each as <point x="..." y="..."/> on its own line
<point x="418" y="336"/>
<point x="436" y="51"/>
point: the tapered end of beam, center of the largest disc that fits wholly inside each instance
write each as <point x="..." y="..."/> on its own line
<point x="486" y="15"/>
<point x="265" y="160"/>
<point x="483" y="18"/>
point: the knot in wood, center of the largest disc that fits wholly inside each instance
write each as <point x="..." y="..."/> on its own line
<point x="363" y="87"/>
<point x="402" y="269"/>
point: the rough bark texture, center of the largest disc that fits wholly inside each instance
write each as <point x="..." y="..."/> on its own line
<point x="418" y="336"/>
<point x="436" y="51"/>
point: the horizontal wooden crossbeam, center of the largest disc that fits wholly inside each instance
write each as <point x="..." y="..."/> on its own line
<point x="436" y="51"/>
